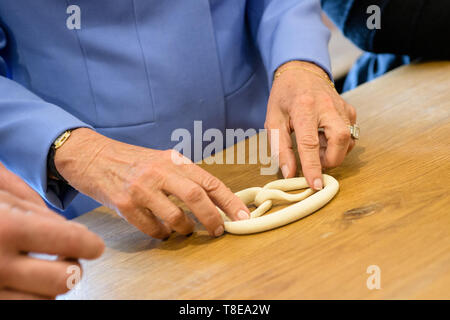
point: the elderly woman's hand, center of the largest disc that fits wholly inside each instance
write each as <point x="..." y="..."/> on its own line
<point x="137" y="181"/>
<point x="303" y="100"/>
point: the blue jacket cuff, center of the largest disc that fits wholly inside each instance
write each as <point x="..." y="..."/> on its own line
<point x="28" y="127"/>
<point x="295" y="32"/>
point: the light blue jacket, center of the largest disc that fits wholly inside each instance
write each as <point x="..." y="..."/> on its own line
<point x="138" y="69"/>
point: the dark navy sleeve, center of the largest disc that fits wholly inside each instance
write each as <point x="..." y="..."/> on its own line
<point x="417" y="28"/>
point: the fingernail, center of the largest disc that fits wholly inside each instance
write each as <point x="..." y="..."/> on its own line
<point x="285" y="170"/>
<point x="318" y="184"/>
<point x="219" y="231"/>
<point x="242" y="215"/>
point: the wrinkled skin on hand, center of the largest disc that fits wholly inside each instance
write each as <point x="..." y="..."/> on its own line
<point x="303" y="101"/>
<point x="137" y="181"/>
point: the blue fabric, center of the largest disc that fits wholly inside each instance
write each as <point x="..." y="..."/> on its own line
<point x="3" y="66"/>
<point x="371" y="66"/>
<point x="389" y="47"/>
<point x="138" y="69"/>
<point x="351" y="17"/>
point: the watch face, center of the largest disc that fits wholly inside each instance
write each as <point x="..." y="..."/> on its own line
<point x="61" y="139"/>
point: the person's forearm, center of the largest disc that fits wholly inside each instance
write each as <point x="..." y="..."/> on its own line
<point x="75" y="157"/>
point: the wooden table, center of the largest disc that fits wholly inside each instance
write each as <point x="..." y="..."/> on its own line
<point x="392" y="211"/>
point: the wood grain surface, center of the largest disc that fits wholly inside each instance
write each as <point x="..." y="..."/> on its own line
<point x="392" y="211"/>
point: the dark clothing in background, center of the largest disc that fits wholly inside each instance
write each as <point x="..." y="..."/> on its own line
<point x="410" y="30"/>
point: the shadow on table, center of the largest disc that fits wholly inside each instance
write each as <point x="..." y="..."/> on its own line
<point x="121" y="236"/>
<point x="351" y="166"/>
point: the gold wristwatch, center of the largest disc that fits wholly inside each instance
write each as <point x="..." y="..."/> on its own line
<point x="51" y="168"/>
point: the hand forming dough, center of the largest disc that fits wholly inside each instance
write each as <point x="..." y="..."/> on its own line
<point x="308" y="201"/>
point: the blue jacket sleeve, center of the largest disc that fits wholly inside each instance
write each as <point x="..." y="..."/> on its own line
<point x="286" y="30"/>
<point x="28" y="127"/>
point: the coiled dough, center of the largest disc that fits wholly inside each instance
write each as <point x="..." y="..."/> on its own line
<point x="307" y="202"/>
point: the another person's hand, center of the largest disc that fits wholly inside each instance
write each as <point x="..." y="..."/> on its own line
<point x="302" y="100"/>
<point x="9" y="182"/>
<point x="137" y="181"/>
<point x="28" y="227"/>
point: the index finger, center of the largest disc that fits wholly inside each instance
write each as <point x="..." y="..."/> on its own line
<point x="35" y="233"/>
<point x="308" y="147"/>
<point x="220" y="194"/>
<point x="195" y="197"/>
<point x="13" y="201"/>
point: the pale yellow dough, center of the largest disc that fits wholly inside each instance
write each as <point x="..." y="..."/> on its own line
<point x="306" y="203"/>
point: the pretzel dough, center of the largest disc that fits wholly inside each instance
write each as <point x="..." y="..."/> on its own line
<point x="306" y="203"/>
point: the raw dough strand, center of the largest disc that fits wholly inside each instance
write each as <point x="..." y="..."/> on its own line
<point x="307" y="202"/>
